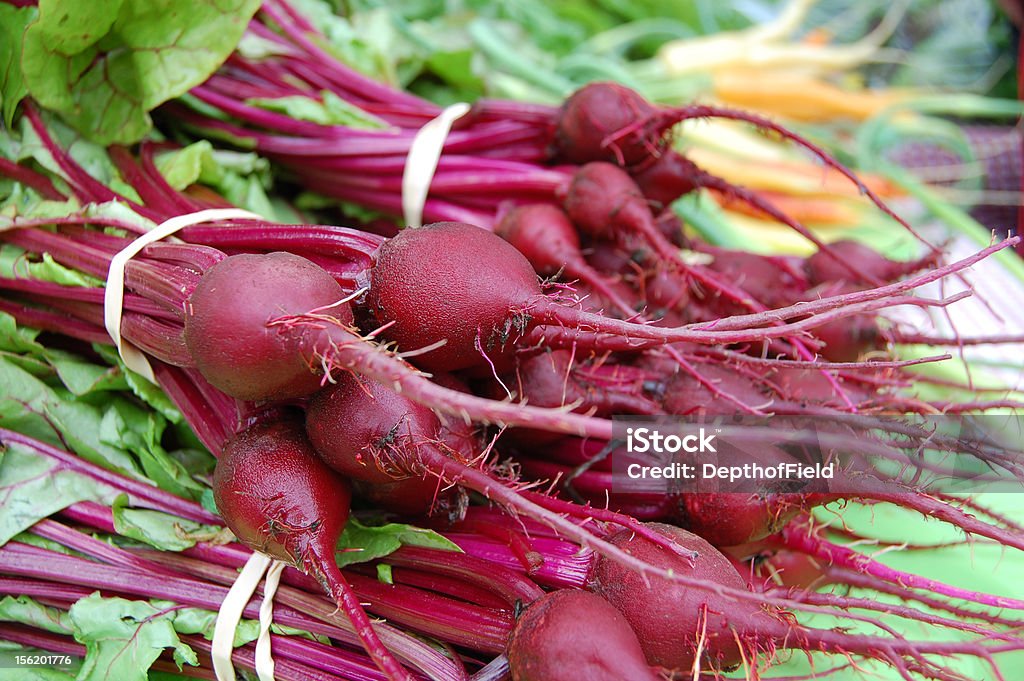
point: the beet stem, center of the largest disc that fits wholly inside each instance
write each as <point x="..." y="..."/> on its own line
<point x="800" y="537"/>
<point x="337" y="586"/>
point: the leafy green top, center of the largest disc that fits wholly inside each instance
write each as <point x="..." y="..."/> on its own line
<point x="104" y="65"/>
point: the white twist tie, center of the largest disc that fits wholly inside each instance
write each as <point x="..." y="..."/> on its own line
<point x="230" y="614"/>
<point x="264" y="662"/>
<point x="113" y="296"/>
<point x="421" y="162"/>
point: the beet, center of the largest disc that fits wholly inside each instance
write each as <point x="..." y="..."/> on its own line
<point x="855" y="263"/>
<point x="237" y="347"/>
<point x="415" y="496"/>
<point x="553" y="379"/>
<point x="668" y="177"/>
<point x="404" y="439"/>
<point x="672" y="620"/>
<point x="605" y="121"/>
<point x="281" y="500"/>
<point x="848" y="340"/>
<point x="734" y="518"/>
<point x="278" y="497"/>
<point x="591" y="117"/>
<point x="474" y="299"/>
<point x="543" y="233"/>
<point x="603" y="201"/>
<point x="484" y="305"/>
<point x="369" y="433"/>
<point x="569" y="635"/>
<point x="674" y="623"/>
<point x="254" y="347"/>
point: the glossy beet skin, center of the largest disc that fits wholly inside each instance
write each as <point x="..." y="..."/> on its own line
<point x="669" y="618"/>
<point x="855" y="263"/>
<point x="733" y="518"/>
<point x="485" y="292"/>
<point x="545" y="236"/>
<point x="591" y="117"/>
<point x="231" y="332"/>
<point x="667" y="178"/>
<point x="415" y="497"/>
<point x="605" y="203"/>
<point x="369" y="433"/>
<point x="571" y="635"/>
<point x="278" y="497"/>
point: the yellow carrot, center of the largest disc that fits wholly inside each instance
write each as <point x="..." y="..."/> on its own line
<point x="763" y="48"/>
<point x="800" y="97"/>
<point x="800" y="178"/>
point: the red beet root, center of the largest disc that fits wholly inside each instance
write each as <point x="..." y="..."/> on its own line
<point x="257" y="347"/>
<point x="550" y="379"/>
<point x="855" y="263"/>
<point x="484" y="305"/>
<point x="543" y="233"/>
<point x="676" y="624"/>
<point x="404" y="439"/>
<point x="672" y="621"/>
<point x="570" y="635"/>
<point x="604" y="202"/>
<point x="733" y="518"/>
<point x="280" y="499"/>
<point x="235" y="345"/>
<point x="465" y="305"/>
<point x="593" y="114"/>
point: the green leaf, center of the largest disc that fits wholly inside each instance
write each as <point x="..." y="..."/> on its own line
<point x="9" y="671"/>
<point x="242" y="178"/>
<point x="152" y="395"/>
<point x="181" y="167"/>
<point x="329" y="110"/>
<point x="365" y="41"/>
<point x="14" y="264"/>
<point x="43" y="543"/>
<point x="103" y="427"/>
<point x="93" y="158"/>
<point x="29" y="406"/>
<point x="202" y="622"/>
<point x="24" y="610"/>
<point x="13" y="21"/>
<point x="34" y="487"/>
<point x="82" y="377"/>
<point x="255" y="48"/>
<point x="129" y="426"/>
<point x="123" y="638"/>
<point x="71" y="27"/>
<point x="18" y="339"/>
<point x="384" y="573"/>
<point x="456" y="69"/>
<point x="207" y="501"/>
<point x="103" y="66"/>
<point x="160" y="530"/>
<point x="360" y="543"/>
<point x="89" y="414"/>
